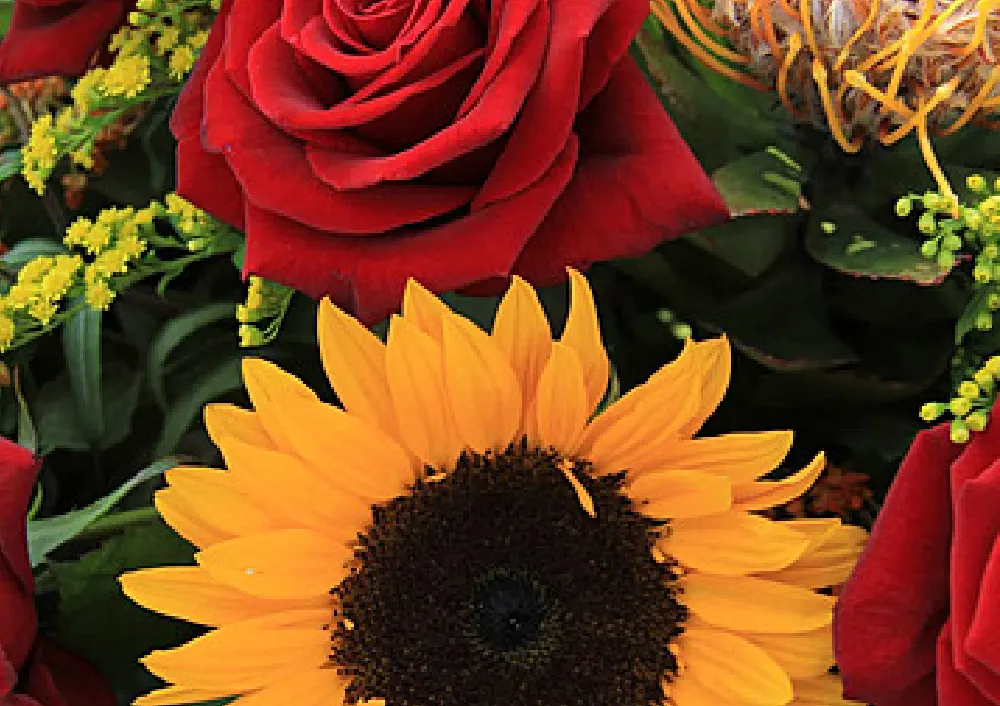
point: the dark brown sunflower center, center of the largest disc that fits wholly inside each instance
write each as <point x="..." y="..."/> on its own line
<point x="493" y="585"/>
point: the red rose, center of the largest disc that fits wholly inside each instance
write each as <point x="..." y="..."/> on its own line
<point x="57" y="37"/>
<point x="362" y="142"/>
<point x="918" y="623"/>
<point x="43" y="673"/>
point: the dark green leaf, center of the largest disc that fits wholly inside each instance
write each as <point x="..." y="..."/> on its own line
<point x="95" y="618"/>
<point x="758" y="183"/>
<point x="10" y="160"/>
<point x="184" y="410"/>
<point x="751" y="243"/>
<point x="59" y="423"/>
<point x="48" y="533"/>
<point x="782" y="324"/>
<point x="175" y="332"/>
<point x="82" y="350"/>
<point x="29" y="249"/>
<point x="846" y="239"/>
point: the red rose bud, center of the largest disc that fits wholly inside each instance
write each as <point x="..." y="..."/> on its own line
<point x="57" y="37"/>
<point x="454" y="142"/>
<point x="918" y="623"/>
<point x="43" y="673"/>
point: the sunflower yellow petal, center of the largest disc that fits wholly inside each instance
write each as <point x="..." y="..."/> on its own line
<point x="313" y="687"/>
<point x="830" y="556"/>
<point x="747" y="604"/>
<point x="354" y="361"/>
<point x="189" y="593"/>
<point x="680" y="494"/>
<point x="296" y="494"/>
<point x="560" y="410"/>
<point x="733" y="544"/>
<point x="246" y="655"/>
<point x="179" y="696"/>
<point x="360" y="458"/>
<point x="824" y="690"/>
<point x="425" y="310"/>
<point x="213" y="495"/>
<point x="521" y="331"/>
<point x="733" y="668"/>
<point x="270" y="388"/>
<point x="287" y="564"/>
<point x="740" y="457"/>
<point x="766" y="494"/>
<point x="482" y="388"/>
<point x="685" y="691"/>
<point x="415" y="370"/>
<point x="231" y="422"/>
<point x="639" y="429"/>
<point x="583" y="334"/>
<point x="716" y="362"/>
<point x="805" y="654"/>
<point x="187" y="521"/>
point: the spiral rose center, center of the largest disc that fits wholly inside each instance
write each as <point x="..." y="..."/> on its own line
<point x="373" y="25"/>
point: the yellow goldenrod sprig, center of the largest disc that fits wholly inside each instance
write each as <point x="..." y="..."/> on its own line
<point x="973" y="232"/>
<point x="154" y="53"/>
<point x="105" y="256"/>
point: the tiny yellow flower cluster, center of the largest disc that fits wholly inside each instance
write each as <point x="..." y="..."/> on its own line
<point x="40" y="287"/>
<point x="154" y="53"/>
<point x="99" y="250"/>
<point x="116" y="238"/>
<point x="40" y="154"/>
<point x="265" y="301"/>
<point x="975" y="229"/>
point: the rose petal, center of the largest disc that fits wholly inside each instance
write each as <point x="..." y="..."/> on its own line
<point x="953" y="689"/>
<point x="893" y="606"/>
<point x="59" y="677"/>
<point x="552" y="106"/>
<point x="56" y="38"/>
<point x="486" y="122"/>
<point x="289" y="188"/>
<point x="637" y="184"/>
<point x="368" y="275"/>
<point x="977" y="525"/>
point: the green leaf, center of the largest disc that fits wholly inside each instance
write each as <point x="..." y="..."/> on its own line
<point x="751" y="244"/>
<point x="29" y="249"/>
<point x="97" y="621"/>
<point x="846" y="239"/>
<point x="59" y="424"/>
<point x="175" y="332"/>
<point x="183" y="411"/>
<point x="702" y="107"/>
<point x="27" y="435"/>
<point x="49" y="533"/>
<point x="781" y="324"/>
<point x="10" y="160"/>
<point x="967" y="322"/>
<point x="82" y="350"/>
<point x="758" y="183"/>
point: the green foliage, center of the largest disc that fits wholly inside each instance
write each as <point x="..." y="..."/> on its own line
<point x="96" y="619"/>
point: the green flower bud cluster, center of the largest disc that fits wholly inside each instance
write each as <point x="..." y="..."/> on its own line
<point x="971" y="234"/>
<point x="265" y="308"/>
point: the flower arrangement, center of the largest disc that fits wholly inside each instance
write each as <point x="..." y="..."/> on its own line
<point x="410" y="352"/>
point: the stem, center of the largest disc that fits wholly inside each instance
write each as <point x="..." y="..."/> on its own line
<point x="119" y="521"/>
<point x="49" y="200"/>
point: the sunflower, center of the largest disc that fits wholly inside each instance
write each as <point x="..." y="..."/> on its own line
<point x="464" y="530"/>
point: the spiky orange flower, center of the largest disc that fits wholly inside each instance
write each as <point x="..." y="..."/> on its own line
<point x="465" y="532"/>
<point x="877" y="69"/>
